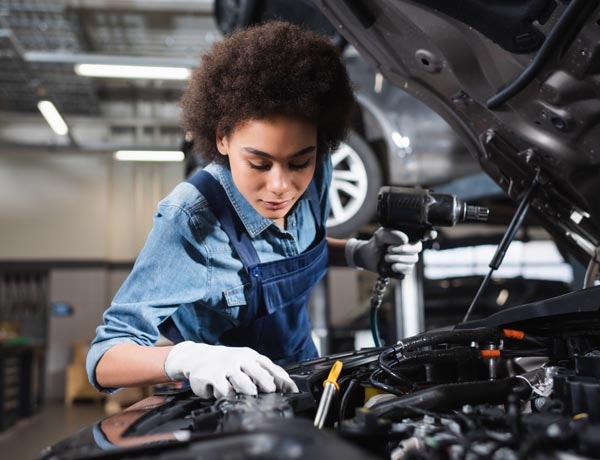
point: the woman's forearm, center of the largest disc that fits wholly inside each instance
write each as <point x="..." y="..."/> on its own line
<point x="337" y="256"/>
<point x="128" y="364"/>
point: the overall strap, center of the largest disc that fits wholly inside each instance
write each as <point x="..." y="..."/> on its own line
<point x="226" y="214"/>
<point x="313" y="199"/>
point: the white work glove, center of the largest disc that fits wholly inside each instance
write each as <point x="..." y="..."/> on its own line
<point x="400" y="256"/>
<point x="219" y="371"/>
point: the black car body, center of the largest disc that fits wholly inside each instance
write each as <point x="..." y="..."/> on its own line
<point x="521" y="82"/>
<point x="517" y="80"/>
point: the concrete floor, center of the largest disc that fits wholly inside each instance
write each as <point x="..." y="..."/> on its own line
<point x="26" y="439"/>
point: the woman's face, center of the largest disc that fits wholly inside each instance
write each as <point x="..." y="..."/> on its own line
<point x="272" y="162"/>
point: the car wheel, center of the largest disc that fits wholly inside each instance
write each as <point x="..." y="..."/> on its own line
<point x="356" y="181"/>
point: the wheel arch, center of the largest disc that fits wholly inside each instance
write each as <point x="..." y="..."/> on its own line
<point x="372" y="124"/>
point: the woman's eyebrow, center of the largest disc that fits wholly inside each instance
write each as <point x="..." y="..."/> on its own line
<point x="260" y="153"/>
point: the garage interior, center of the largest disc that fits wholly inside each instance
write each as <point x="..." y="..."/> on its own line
<point x="74" y="217"/>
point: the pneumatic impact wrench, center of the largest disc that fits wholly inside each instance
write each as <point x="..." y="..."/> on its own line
<point x="416" y="211"/>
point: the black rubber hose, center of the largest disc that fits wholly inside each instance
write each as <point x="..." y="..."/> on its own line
<point x="347" y="394"/>
<point x="457" y="354"/>
<point x="555" y="38"/>
<point x="466" y="336"/>
<point x="383" y="386"/>
<point x="390" y="372"/>
<point x="452" y="396"/>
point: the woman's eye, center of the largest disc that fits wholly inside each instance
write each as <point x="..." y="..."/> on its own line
<point x="260" y="167"/>
<point x="306" y="164"/>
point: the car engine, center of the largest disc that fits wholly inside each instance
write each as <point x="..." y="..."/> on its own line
<point x="523" y="383"/>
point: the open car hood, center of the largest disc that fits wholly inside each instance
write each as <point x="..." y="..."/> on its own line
<point x="519" y="81"/>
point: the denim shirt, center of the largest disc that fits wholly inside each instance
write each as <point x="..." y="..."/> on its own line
<point x="187" y="269"/>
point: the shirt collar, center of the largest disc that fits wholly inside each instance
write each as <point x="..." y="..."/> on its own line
<point x="252" y="220"/>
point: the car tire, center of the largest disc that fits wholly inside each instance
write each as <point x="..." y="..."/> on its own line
<point x="356" y="181"/>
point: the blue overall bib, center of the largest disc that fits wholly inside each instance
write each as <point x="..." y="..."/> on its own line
<point x="275" y="320"/>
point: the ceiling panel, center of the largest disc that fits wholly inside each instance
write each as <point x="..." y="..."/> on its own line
<point x="42" y="40"/>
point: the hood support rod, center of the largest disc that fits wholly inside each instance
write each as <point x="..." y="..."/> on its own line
<point x="508" y="237"/>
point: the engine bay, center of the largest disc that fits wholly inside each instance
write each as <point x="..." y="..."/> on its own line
<point x="520" y="384"/>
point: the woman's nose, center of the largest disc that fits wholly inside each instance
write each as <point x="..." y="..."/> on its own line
<point x="278" y="182"/>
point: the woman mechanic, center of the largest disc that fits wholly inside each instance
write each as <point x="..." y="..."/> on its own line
<point x="234" y="252"/>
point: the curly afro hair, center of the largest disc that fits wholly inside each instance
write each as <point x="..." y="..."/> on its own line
<point x="275" y="68"/>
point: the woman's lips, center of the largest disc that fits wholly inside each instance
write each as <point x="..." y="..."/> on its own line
<point x="275" y="205"/>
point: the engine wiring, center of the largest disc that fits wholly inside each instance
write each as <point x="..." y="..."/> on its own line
<point x="437" y="394"/>
<point x="454" y="394"/>
<point x="397" y="363"/>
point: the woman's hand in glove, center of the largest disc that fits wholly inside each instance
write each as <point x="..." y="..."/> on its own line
<point x="391" y="245"/>
<point x="220" y="371"/>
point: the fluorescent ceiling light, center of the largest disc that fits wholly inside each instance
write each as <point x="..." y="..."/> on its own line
<point x="132" y="71"/>
<point x="53" y="118"/>
<point x="149" y="155"/>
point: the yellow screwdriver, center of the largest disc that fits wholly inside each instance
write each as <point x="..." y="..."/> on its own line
<point x="331" y="386"/>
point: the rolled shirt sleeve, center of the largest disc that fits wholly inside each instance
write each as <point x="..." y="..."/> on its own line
<point x="172" y="269"/>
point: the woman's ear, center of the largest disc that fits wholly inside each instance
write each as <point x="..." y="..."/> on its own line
<point x="222" y="144"/>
